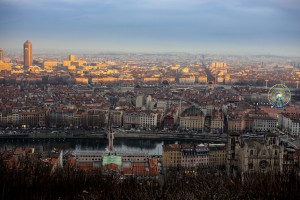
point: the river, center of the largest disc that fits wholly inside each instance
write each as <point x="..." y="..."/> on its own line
<point x="151" y="146"/>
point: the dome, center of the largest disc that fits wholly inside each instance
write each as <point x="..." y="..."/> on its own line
<point x="192" y="111"/>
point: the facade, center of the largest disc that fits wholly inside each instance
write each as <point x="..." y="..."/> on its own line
<point x="185" y="156"/>
<point x="71" y="57"/>
<point x="117" y="117"/>
<point x="264" y="124"/>
<point x="290" y="122"/>
<point x="27" y="54"/>
<point x="192" y="118"/>
<point x="128" y="164"/>
<point x="217" y="121"/>
<point x="195" y="157"/>
<point x="217" y="156"/>
<point x="140" y="119"/>
<point x="140" y="101"/>
<point x="254" y="155"/>
<point x="50" y="63"/>
<point x="187" y="79"/>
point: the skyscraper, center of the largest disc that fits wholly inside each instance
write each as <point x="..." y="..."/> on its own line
<point x="27" y="53"/>
<point x="1" y="55"/>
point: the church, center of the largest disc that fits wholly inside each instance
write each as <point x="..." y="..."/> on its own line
<point x="254" y="155"/>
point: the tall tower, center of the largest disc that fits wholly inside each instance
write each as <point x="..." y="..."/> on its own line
<point x="27" y="53"/>
<point x="266" y="84"/>
<point x="233" y="145"/>
<point x="110" y="133"/>
<point x="1" y="55"/>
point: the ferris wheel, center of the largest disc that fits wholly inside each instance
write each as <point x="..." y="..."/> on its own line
<point x="279" y="95"/>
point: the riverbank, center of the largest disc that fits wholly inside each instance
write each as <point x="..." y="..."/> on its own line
<point x="79" y="134"/>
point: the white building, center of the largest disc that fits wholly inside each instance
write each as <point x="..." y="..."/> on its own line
<point x="142" y="119"/>
<point x="264" y="124"/>
<point x="290" y="122"/>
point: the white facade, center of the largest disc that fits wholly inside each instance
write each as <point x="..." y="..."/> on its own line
<point x="264" y="124"/>
<point x="140" y="119"/>
<point x="290" y="123"/>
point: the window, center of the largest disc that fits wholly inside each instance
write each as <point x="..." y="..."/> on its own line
<point x="251" y="152"/>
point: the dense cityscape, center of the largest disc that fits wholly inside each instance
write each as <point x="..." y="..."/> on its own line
<point x="211" y="114"/>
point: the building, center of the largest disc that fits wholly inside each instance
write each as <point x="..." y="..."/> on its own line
<point x="140" y="101"/>
<point x="5" y="66"/>
<point x="264" y="124"/>
<point x="218" y="65"/>
<point x="217" y="156"/>
<point x="140" y="119"/>
<point x="192" y="118"/>
<point x="71" y="57"/>
<point x="185" y="156"/>
<point x="217" y="122"/>
<point x="82" y="80"/>
<point x="235" y="122"/>
<point x="1" y="55"/>
<point x="187" y="79"/>
<point x="27" y="53"/>
<point x="249" y="155"/>
<point x="290" y="122"/>
<point x="128" y="164"/>
<point x="50" y="63"/>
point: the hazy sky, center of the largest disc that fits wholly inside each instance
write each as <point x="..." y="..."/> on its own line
<point x="199" y="26"/>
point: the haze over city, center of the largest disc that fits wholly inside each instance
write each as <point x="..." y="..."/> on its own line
<point x="226" y="27"/>
<point x="149" y="99"/>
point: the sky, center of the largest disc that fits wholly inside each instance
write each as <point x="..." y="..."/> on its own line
<point x="270" y="27"/>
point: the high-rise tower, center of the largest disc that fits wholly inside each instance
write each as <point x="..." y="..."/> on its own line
<point x="27" y="53"/>
<point x="1" y="55"/>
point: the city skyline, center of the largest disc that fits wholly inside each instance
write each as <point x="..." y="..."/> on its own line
<point x="231" y="27"/>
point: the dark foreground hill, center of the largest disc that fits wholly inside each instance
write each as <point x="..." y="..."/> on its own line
<point x="34" y="181"/>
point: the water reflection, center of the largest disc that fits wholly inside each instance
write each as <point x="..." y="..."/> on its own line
<point x="152" y="146"/>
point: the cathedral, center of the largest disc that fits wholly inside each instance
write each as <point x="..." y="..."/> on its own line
<point x="254" y="155"/>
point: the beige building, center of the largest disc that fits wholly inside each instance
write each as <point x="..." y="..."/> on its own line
<point x="82" y="80"/>
<point x="152" y="79"/>
<point x="72" y="57"/>
<point x="187" y="79"/>
<point x="217" y="155"/>
<point x="217" y="121"/>
<point x="192" y="119"/>
<point x="185" y="156"/>
<point x="5" y="66"/>
<point x="107" y="79"/>
<point x="218" y="65"/>
<point x="235" y="123"/>
<point x="202" y="79"/>
<point x="117" y="117"/>
<point x="50" y="63"/>
<point x="66" y="63"/>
